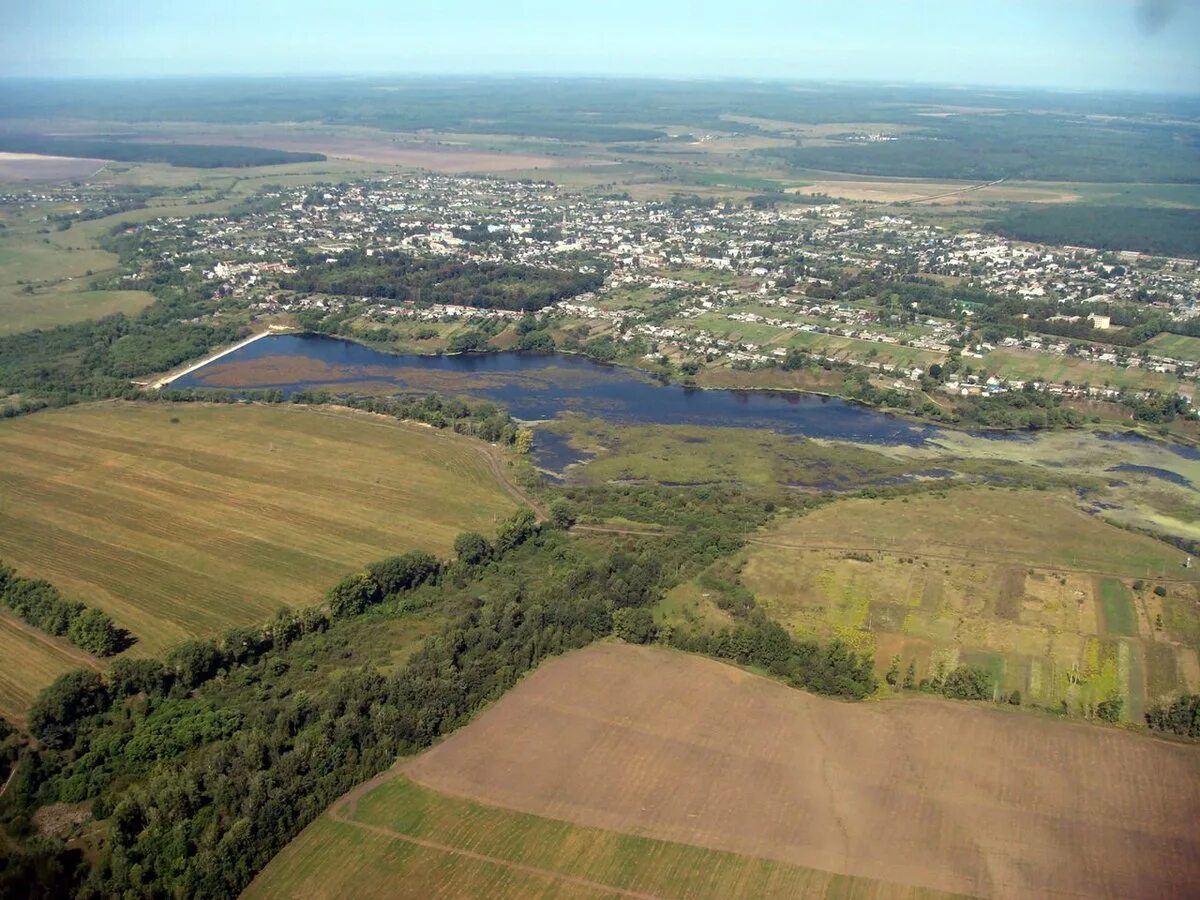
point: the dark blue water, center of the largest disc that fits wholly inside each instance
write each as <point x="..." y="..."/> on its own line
<point x="1132" y="437"/>
<point x="538" y="386"/>
<point x="1154" y="472"/>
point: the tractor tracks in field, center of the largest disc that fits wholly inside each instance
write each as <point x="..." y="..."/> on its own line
<point x="344" y="809"/>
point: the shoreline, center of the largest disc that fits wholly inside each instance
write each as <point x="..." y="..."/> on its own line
<point x="165" y="380"/>
<point x="901" y="414"/>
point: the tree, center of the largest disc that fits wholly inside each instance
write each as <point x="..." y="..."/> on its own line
<point x="968" y="683"/>
<point x="404" y="572"/>
<point x="1110" y="710"/>
<point x="71" y="697"/>
<point x="524" y="441"/>
<point x="893" y="673"/>
<point x="472" y="548"/>
<point x="516" y="530"/>
<point x="634" y="625"/>
<point x="910" y="675"/>
<point x="353" y="594"/>
<point x="193" y="662"/>
<point x="94" y="632"/>
<point x="562" y="513"/>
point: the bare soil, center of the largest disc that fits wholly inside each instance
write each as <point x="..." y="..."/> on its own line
<point x="928" y="793"/>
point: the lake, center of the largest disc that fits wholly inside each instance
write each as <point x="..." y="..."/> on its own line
<point x="540" y="386"/>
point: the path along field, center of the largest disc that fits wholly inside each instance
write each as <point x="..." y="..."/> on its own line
<point x="647" y="772"/>
<point x="183" y="520"/>
<point x="1055" y="603"/>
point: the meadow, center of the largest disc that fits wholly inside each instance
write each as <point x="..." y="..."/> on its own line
<point x="1054" y="603"/>
<point x="182" y="520"/>
<point x="637" y="771"/>
<point x="1176" y="346"/>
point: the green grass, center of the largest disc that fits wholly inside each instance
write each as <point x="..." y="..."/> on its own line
<point x="1119" y="616"/>
<point x="688" y="454"/>
<point x="186" y="527"/>
<point x="995" y="578"/>
<point x="59" y="306"/>
<point x="334" y="858"/>
<point x="1028" y="365"/>
<point x="1176" y="346"/>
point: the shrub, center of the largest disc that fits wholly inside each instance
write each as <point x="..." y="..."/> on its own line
<point x="634" y="625"/>
<point x="968" y="683"/>
<point x="73" y="696"/>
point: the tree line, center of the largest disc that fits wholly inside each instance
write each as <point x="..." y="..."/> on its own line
<point x="401" y="276"/>
<point x="39" y="603"/>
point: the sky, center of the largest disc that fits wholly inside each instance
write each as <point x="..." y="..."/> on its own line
<point x="1141" y="45"/>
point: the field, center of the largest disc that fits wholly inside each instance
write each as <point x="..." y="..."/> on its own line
<point x="1057" y="604"/>
<point x="1176" y="346"/>
<point x="32" y="660"/>
<point x="634" y="771"/>
<point x="184" y="520"/>
<point x="1027" y="365"/>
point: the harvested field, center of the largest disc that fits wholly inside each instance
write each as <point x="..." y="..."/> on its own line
<point x="402" y="840"/>
<point x="32" y="659"/>
<point x="183" y="520"/>
<point x="35" y="167"/>
<point x="927" y="793"/>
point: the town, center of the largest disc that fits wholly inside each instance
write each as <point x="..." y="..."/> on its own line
<point x="716" y="284"/>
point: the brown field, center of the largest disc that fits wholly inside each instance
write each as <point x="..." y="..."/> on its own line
<point x="368" y="145"/>
<point x="924" y="793"/>
<point x="34" y="167"/>
<point x="938" y="192"/>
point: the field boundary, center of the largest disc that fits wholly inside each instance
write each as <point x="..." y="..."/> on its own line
<point x="964" y="557"/>
<point x="549" y="874"/>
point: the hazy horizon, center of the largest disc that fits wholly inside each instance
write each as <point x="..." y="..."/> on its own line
<point x="1072" y="45"/>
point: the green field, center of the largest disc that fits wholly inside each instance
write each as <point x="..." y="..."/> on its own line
<point x="1176" y="346"/>
<point x="1119" y="615"/>
<point x="997" y="578"/>
<point x="1023" y="365"/>
<point x="183" y="520"/>
<point x="694" y="454"/>
<point x="403" y="840"/>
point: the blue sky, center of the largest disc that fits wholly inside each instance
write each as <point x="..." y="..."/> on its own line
<point x="1089" y="44"/>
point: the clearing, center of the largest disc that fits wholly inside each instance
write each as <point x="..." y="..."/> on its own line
<point x="186" y="519"/>
<point x="637" y="771"/>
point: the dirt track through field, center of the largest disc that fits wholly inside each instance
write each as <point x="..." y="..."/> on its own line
<point x="950" y="796"/>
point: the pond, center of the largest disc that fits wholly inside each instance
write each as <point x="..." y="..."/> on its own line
<point x="540" y="386"/>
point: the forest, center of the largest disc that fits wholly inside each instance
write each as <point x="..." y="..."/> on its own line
<point x="446" y="280"/>
<point x="1165" y="231"/>
<point x="1026" y="146"/>
<point x="198" y="156"/>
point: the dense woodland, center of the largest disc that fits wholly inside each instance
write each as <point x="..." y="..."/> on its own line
<point x="1165" y="231"/>
<point x="1029" y="146"/>
<point x="196" y="156"/>
<point x="401" y="276"/>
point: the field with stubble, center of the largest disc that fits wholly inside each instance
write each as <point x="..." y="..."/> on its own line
<point x="636" y="771"/>
<point x="183" y="520"/>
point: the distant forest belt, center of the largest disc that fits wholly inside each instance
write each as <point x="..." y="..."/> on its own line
<point x="200" y="156"/>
